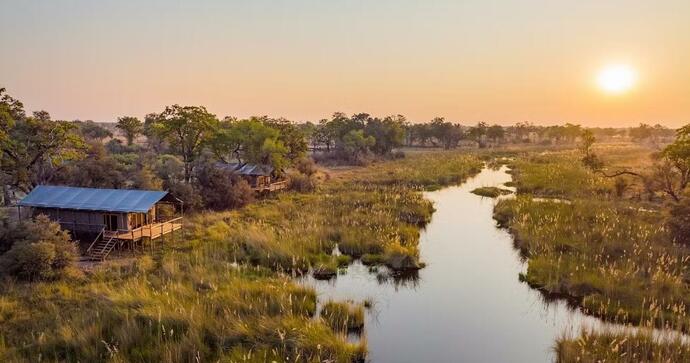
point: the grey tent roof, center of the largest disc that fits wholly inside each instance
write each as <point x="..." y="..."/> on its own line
<point x="109" y="200"/>
<point x="247" y="169"/>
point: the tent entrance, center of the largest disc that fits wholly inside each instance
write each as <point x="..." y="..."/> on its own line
<point x="110" y="222"/>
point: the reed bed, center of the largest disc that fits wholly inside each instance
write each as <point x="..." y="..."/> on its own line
<point x="620" y="347"/>
<point x="223" y="292"/>
<point x="343" y="317"/>
<point x="610" y="255"/>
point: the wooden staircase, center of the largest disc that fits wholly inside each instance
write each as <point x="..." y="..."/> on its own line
<point x="102" y="246"/>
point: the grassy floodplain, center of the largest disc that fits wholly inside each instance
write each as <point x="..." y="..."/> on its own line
<point x="221" y="291"/>
<point x="619" y="347"/>
<point x="610" y="253"/>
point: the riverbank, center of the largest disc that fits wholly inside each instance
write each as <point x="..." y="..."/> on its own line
<point x="223" y="291"/>
<point x="598" y="249"/>
<point x="468" y="294"/>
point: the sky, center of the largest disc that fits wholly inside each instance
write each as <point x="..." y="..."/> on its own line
<point x="468" y="61"/>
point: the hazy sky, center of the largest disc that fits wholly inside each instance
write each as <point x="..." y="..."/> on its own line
<point x="473" y="60"/>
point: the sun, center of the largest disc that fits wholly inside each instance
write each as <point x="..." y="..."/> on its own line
<point x="617" y="78"/>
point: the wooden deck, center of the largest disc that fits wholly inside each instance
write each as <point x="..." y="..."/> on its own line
<point x="272" y="187"/>
<point x="151" y="231"/>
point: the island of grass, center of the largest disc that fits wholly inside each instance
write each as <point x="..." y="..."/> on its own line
<point x="490" y="192"/>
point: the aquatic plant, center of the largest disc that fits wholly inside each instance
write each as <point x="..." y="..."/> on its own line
<point x="490" y="192"/>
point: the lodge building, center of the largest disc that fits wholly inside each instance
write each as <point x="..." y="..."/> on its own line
<point x="114" y="216"/>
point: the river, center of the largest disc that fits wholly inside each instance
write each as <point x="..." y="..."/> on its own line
<point x="467" y="304"/>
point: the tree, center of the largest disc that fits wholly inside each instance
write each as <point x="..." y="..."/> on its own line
<point x="222" y="189"/>
<point x="641" y="133"/>
<point x="11" y="110"/>
<point x="589" y="158"/>
<point x="495" y="133"/>
<point x="325" y="134"/>
<point x="476" y="133"/>
<point x="572" y="132"/>
<point x="421" y="133"/>
<point x="131" y="127"/>
<point x="678" y="222"/>
<point x="671" y="173"/>
<point x="251" y="141"/>
<point x="98" y="169"/>
<point x="445" y="132"/>
<point x="355" y="144"/>
<point x="675" y="170"/>
<point x="290" y="137"/>
<point x="388" y="133"/>
<point x="36" y="148"/>
<point x="93" y="131"/>
<point x="186" y="129"/>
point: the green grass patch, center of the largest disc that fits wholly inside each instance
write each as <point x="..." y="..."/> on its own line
<point x="343" y="317"/>
<point x="620" y="347"/>
<point x="490" y="192"/>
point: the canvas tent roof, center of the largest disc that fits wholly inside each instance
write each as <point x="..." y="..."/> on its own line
<point x="95" y="199"/>
<point x="247" y="169"/>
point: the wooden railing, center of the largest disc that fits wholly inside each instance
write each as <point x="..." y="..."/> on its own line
<point x="152" y="231"/>
<point x="96" y="239"/>
<point x="272" y="186"/>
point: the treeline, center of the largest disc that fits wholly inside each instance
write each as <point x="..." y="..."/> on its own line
<point x="350" y="137"/>
<point x="177" y="149"/>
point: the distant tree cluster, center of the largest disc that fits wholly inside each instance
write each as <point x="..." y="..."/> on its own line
<point x="354" y="138"/>
<point x="175" y="149"/>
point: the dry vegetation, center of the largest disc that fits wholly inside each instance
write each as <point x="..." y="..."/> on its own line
<point x="607" y="249"/>
<point x="221" y="292"/>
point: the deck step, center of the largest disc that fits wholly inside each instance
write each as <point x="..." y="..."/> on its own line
<point x="102" y="248"/>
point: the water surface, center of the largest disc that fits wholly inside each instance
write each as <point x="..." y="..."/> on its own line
<point x="467" y="304"/>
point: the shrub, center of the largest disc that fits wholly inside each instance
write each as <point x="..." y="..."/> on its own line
<point x="222" y="189"/>
<point x="306" y="166"/>
<point x="186" y="193"/>
<point x="44" y="253"/>
<point x="302" y="183"/>
<point x="679" y="221"/>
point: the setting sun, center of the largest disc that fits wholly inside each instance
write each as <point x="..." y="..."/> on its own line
<point x="617" y="79"/>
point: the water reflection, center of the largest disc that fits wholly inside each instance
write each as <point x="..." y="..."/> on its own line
<point x="467" y="304"/>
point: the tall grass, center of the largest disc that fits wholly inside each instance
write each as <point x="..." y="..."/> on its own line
<point x="620" y="347"/>
<point x="618" y="262"/>
<point x="343" y="317"/>
<point x="219" y="292"/>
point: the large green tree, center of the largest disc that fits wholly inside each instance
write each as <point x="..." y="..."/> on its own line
<point x="186" y="129"/>
<point x="388" y="133"/>
<point x="33" y="147"/>
<point x="250" y="141"/>
<point x="131" y="127"/>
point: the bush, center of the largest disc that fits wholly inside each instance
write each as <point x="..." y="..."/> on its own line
<point x="398" y="154"/>
<point x="306" y="166"/>
<point x="302" y="183"/>
<point x="679" y="222"/>
<point x="222" y="189"/>
<point x="44" y="253"/>
<point x="186" y="193"/>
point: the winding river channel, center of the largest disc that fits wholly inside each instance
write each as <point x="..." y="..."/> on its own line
<point x="467" y="304"/>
